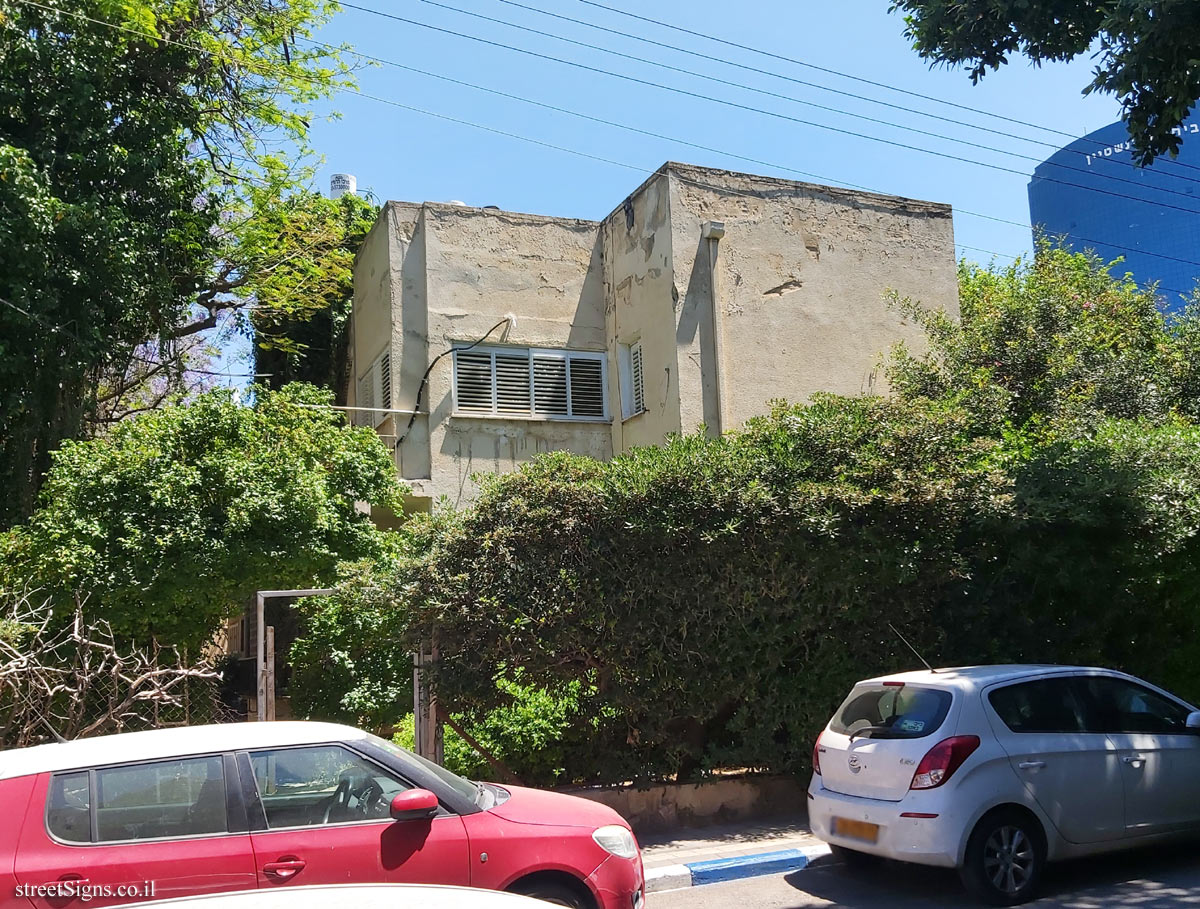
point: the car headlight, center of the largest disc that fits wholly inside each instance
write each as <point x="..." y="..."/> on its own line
<point x="617" y="840"/>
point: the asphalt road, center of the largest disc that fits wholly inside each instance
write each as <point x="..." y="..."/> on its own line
<point x="1158" y="879"/>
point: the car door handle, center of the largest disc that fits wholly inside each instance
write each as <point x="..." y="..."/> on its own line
<point x="283" y="870"/>
<point x="1133" y="759"/>
<point x="1032" y="765"/>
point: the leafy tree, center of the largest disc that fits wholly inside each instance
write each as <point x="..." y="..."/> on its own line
<point x="303" y="334"/>
<point x="169" y="522"/>
<point x="1052" y="337"/>
<point x="1146" y="50"/>
<point x="126" y="130"/>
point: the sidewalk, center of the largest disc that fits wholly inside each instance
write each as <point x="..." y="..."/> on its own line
<point x="687" y="858"/>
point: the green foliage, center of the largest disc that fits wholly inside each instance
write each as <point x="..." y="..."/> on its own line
<point x="543" y="735"/>
<point x="169" y="523"/>
<point x="346" y="666"/>
<point x="1146" y="50"/>
<point x="721" y="593"/>
<point x="1052" y="338"/>
<point x="303" y="334"/>
<point x="127" y="129"/>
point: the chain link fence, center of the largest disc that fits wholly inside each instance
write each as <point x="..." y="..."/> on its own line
<point x="60" y="682"/>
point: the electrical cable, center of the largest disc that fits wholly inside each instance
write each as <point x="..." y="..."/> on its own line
<point x="835" y="110"/>
<point x="425" y="378"/>
<point x="823" y="69"/>
<point x="776" y="75"/>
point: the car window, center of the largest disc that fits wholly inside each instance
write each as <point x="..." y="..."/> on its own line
<point x="69" y="808"/>
<point x="1046" y="705"/>
<point x="160" y="799"/>
<point x="323" y="784"/>
<point x="892" y="712"/>
<point x="462" y="786"/>
<point x="1117" y="705"/>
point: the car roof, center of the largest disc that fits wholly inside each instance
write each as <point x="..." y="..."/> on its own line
<point x="982" y="676"/>
<point x="167" y="743"/>
<point x="362" y="896"/>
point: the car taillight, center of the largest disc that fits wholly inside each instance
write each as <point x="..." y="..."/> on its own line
<point x="942" y="760"/>
<point x="817" y="757"/>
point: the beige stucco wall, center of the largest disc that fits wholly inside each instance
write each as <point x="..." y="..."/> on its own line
<point x="371" y="312"/>
<point x="480" y="266"/>
<point x="802" y="274"/>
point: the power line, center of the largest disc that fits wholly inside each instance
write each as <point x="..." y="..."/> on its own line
<point x="762" y="111"/>
<point x="776" y="75"/>
<point x="856" y="78"/>
<point x="688" y="72"/>
<point x="823" y="69"/>
<point x="718" y="151"/>
<point x="794" y="100"/>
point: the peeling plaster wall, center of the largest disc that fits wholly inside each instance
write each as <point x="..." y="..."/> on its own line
<point x="641" y="306"/>
<point x="802" y="273"/>
<point x="481" y="265"/>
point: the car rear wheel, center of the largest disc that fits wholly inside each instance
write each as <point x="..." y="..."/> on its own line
<point x="553" y="893"/>
<point x="1005" y="857"/>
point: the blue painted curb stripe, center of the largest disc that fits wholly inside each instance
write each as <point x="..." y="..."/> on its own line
<point x="732" y="869"/>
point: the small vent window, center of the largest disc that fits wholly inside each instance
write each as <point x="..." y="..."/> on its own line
<point x="374" y="391"/>
<point x="554" y="384"/>
<point x="633" y="393"/>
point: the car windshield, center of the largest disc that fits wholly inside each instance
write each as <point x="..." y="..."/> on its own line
<point x="892" y="712"/>
<point x="476" y="793"/>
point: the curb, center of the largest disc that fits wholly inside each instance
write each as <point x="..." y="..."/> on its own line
<point x="694" y="874"/>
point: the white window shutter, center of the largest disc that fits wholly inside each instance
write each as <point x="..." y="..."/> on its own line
<point x="514" y="390"/>
<point x="551" y="394"/>
<point x="365" y="398"/>
<point x="385" y="384"/>
<point x="635" y="377"/>
<point x="473" y="384"/>
<point x="520" y="381"/>
<point x="587" y="386"/>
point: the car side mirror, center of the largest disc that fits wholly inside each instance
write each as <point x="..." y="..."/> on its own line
<point x="414" y="805"/>
<point x="1193" y="722"/>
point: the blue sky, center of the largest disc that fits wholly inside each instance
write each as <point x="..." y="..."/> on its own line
<point x="400" y="154"/>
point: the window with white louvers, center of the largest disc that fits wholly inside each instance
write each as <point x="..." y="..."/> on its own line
<point x="633" y="393"/>
<point x="374" y="390"/>
<point x="551" y="384"/>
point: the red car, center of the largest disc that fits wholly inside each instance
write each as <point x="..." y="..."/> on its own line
<point x="206" y="809"/>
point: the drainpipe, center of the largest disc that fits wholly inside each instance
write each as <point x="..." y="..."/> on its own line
<point x="712" y="232"/>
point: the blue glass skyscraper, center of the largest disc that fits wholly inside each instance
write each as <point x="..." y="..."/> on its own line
<point x="1093" y="196"/>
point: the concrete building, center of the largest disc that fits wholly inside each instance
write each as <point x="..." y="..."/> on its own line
<point x="702" y="297"/>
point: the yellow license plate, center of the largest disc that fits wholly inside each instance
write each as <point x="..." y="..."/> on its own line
<point x="856" y="830"/>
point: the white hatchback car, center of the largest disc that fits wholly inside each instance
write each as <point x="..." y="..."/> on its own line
<point x="996" y="770"/>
